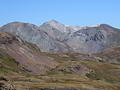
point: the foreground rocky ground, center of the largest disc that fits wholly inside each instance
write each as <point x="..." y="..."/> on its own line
<point x="69" y="75"/>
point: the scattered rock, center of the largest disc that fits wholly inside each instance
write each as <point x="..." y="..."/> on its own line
<point x="6" y="86"/>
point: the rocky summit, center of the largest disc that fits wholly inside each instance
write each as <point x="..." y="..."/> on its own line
<point x="54" y="37"/>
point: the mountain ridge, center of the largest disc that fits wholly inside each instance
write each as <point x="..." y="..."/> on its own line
<point x="95" y="25"/>
<point x="54" y="37"/>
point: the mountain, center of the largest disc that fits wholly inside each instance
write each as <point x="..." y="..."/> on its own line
<point x="55" y="37"/>
<point x="26" y="55"/>
<point x="33" y="34"/>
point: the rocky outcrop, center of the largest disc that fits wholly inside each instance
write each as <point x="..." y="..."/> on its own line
<point x="27" y="55"/>
<point x="5" y="84"/>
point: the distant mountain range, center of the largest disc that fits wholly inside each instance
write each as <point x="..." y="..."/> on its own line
<point x="55" y="37"/>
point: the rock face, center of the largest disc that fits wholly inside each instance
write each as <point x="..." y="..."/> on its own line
<point x="55" y="37"/>
<point x="5" y="84"/>
<point x="33" y="34"/>
<point x="27" y="55"/>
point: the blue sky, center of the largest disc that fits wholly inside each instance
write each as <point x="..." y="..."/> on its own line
<point x="70" y="12"/>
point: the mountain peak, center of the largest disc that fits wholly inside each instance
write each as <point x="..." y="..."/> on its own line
<point x="98" y="25"/>
<point x="52" y="22"/>
<point x="56" y="24"/>
<point x="106" y="27"/>
<point x="55" y="21"/>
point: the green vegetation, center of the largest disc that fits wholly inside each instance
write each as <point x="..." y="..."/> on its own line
<point x="9" y="67"/>
<point x="118" y="59"/>
<point x="100" y="75"/>
<point x="93" y="76"/>
<point x="103" y="71"/>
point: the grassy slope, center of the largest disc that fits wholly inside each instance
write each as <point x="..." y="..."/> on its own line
<point x="103" y="76"/>
<point x="9" y="67"/>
